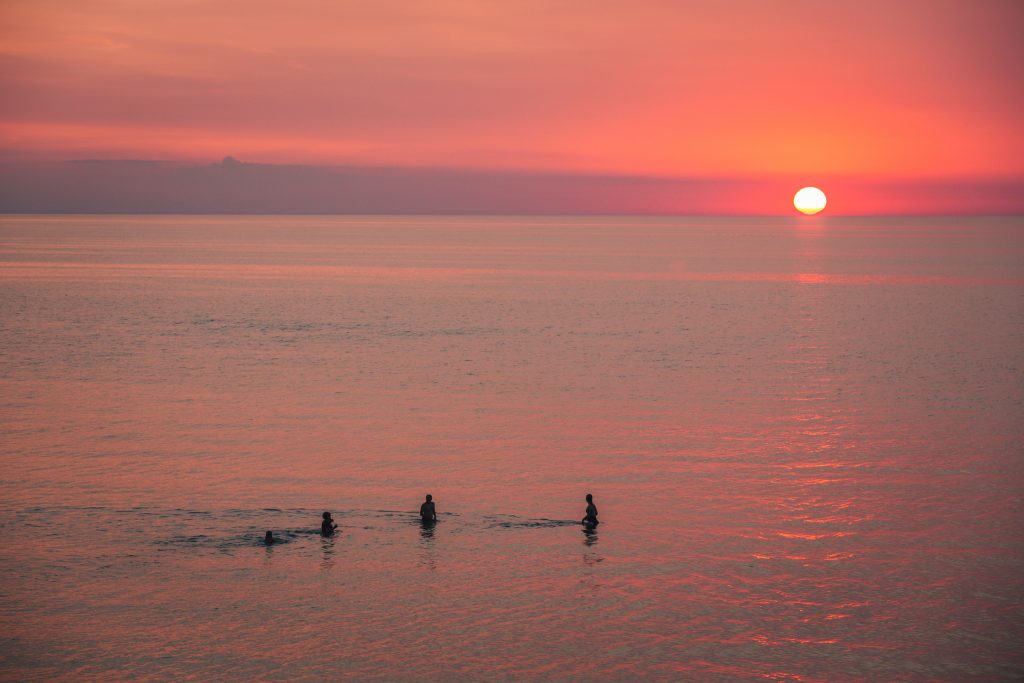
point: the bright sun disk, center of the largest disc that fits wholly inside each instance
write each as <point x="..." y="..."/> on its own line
<point x="809" y="200"/>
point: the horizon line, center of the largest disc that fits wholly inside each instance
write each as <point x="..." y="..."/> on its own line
<point x="499" y="214"/>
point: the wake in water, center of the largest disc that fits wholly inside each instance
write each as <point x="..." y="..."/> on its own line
<point x="218" y="528"/>
<point x="515" y="522"/>
<point x="228" y="543"/>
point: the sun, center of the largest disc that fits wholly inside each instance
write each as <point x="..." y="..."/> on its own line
<point x="809" y="200"/>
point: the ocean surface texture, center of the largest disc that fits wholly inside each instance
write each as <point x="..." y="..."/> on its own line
<point x="805" y="438"/>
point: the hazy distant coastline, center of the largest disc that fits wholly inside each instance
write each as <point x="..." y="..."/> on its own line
<point x="234" y="187"/>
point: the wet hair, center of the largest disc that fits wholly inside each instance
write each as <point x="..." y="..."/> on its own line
<point x="269" y="537"/>
<point x="327" y="515"/>
<point x="430" y="497"/>
<point x="590" y="498"/>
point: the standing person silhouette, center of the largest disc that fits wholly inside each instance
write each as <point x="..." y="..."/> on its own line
<point x="591" y="517"/>
<point x="428" y="513"/>
<point x="327" y="526"/>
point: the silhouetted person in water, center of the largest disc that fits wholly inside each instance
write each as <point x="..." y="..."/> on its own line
<point x="428" y="513"/>
<point x="327" y="526"/>
<point x="269" y="538"/>
<point x="591" y="518"/>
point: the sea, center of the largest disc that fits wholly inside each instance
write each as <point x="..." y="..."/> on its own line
<point x="804" y="437"/>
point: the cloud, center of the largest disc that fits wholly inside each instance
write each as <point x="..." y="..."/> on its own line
<point x="653" y="88"/>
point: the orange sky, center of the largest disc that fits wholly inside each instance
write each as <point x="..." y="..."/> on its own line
<point x="914" y="89"/>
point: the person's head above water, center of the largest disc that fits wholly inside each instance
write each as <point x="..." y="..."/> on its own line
<point x="269" y="538"/>
<point x="590" y="498"/>
<point x="429" y="498"/>
<point x="327" y="515"/>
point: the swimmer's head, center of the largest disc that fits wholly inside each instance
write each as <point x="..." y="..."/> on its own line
<point x="429" y="498"/>
<point x="269" y="538"/>
<point x="590" y="498"/>
<point x="327" y="515"/>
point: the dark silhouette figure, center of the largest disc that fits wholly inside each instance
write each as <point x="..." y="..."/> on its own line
<point x="428" y="513"/>
<point x="327" y="526"/>
<point x="591" y="517"/>
<point x="269" y="538"/>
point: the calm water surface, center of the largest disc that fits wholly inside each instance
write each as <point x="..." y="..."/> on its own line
<point x="805" y="439"/>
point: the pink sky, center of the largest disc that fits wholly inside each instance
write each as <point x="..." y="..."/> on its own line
<point x="816" y="92"/>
